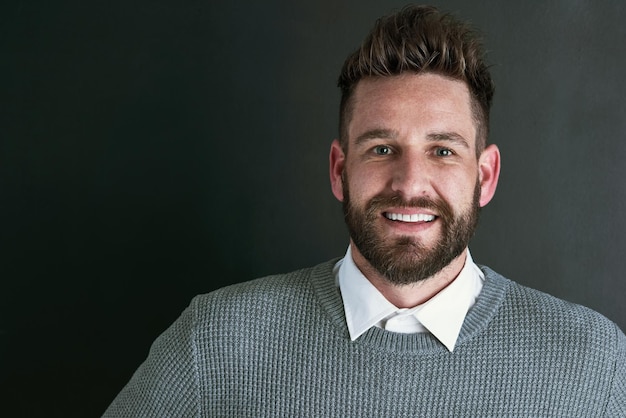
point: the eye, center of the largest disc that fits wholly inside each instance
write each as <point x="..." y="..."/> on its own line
<point x="443" y="152"/>
<point x="382" y="150"/>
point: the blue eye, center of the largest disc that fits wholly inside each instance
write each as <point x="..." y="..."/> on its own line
<point x="443" y="152"/>
<point x="382" y="150"/>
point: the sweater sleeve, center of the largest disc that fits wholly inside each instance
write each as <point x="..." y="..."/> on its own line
<point x="616" y="406"/>
<point x="166" y="384"/>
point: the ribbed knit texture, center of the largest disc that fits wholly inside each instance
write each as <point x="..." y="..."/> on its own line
<point x="279" y="346"/>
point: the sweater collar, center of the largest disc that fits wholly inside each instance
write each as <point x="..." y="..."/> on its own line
<point x="479" y="316"/>
<point x="442" y="315"/>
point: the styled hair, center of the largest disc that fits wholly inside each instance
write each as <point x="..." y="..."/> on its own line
<point x="420" y="39"/>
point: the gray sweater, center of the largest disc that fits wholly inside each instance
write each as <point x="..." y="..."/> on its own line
<point x="279" y="346"/>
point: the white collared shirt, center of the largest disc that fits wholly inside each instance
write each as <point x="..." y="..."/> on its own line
<point x="442" y="315"/>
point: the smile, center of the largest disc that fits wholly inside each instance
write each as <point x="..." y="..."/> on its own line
<point x="415" y="217"/>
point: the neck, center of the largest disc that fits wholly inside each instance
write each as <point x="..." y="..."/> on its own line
<point x="410" y="295"/>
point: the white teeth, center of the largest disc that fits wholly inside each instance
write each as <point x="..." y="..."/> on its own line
<point x="416" y="217"/>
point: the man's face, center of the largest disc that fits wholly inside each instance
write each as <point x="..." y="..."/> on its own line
<point x="411" y="182"/>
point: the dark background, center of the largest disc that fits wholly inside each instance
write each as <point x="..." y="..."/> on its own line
<point x="151" y="151"/>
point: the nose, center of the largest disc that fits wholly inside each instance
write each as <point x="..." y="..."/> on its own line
<point x="411" y="176"/>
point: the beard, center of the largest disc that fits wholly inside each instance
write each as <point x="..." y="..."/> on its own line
<point x="404" y="260"/>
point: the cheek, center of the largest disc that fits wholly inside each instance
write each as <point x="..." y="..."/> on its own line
<point x="366" y="182"/>
<point x="459" y="190"/>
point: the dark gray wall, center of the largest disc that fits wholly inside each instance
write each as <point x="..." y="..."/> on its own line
<point x="151" y="151"/>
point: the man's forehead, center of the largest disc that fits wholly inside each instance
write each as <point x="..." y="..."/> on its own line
<point x="377" y="101"/>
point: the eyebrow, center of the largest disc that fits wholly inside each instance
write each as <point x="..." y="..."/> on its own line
<point x="391" y="134"/>
<point x="448" y="136"/>
<point x="375" y="134"/>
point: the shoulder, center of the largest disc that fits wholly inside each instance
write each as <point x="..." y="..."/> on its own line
<point x="548" y="315"/>
<point x="266" y="295"/>
<point x="271" y="286"/>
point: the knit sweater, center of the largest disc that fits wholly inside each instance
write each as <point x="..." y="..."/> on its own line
<point x="279" y="346"/>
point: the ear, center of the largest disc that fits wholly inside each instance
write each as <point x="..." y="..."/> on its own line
<point x="337" y="162"/>
<point x="488" y="173"/>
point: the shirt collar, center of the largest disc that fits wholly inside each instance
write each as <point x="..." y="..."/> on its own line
<point x="442" y="315"/>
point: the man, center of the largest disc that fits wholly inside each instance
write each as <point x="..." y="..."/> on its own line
<point x="405" y="324"/>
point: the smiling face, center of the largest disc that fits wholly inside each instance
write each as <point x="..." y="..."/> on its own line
<point x="410" y="179"/>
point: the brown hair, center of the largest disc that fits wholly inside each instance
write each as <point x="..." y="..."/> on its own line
<point x="420" y="39"/>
